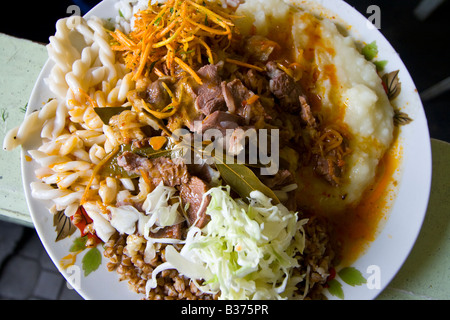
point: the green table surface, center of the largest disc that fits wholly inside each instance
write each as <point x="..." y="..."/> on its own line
<point x="425" y="274"/>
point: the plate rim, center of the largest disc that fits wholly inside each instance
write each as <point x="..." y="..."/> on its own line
<point x="345" y="6"/>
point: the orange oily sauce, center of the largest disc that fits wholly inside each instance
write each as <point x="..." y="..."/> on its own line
<point x="359" y="226"/>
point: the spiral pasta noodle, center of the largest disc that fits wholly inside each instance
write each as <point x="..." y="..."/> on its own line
<point x="74" y="138"/>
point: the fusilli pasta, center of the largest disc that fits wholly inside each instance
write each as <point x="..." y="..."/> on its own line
<point x="84" y="75"/>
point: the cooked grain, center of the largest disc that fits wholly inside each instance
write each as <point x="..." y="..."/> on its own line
<point x="318" y="258"/>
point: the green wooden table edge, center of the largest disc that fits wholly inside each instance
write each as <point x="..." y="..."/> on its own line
<point x="20" y="64"/>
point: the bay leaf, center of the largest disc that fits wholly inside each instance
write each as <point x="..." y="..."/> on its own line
<point x="243" y="180"/>
<point x="107" y="113"/>
<point x="112" y="169"/>
<point x="63" y="225"/>
<point x="237" y="175"/>
<point x="150" y="153"/>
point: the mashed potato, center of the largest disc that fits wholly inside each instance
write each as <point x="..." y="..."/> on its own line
<point x="260" y="14"/>
<point x="351" y="95"/>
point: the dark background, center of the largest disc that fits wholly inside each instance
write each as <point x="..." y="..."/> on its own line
<point x="423" y="45"/>
<point x="26" y="271"/>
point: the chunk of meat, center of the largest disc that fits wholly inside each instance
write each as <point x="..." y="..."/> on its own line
<point x="281" y="179"/>
<point x="306" y="113"/>
<point x="284" y="88"/>
<point x="237" y="96"/>
<point x="192" y="193"/>
<point x="173" y="232"/>
<point x="165" y="170"/>
<point x="151" y="92"/>
<point x="209" y="96"/>
<point x="186" y="115"/>
<point x="255" y="81"/>
<point x="157" y="95"/>
<point x="235" y="93"/>
<point x="260" y="48"/>
<point x="210" y="73"/>
<point x="332" y="146"/>
<point x="329" y="168"/>
<point x="221" y="120"/>
<point x="232" y="129"/>
<point x="204" y="171"/>
<point x="210" y="99"/>
<point x="192" y="188"/>
<point x="132" y="162"/>
<point x="239" y="139"/>
<point x="159" y="169"/>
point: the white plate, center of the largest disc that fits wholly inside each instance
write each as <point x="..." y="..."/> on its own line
<point x="386" y="253"/>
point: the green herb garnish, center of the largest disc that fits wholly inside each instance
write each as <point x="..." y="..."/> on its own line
<point x="370" y="51"/>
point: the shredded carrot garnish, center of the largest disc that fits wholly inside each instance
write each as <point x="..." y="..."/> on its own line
<point x="173" y="107"/>
<point x="208" y="29"/>
<point x="244" y="64"/>
<point x="173" y="37"/>
<point x="143" y="61"/>
<point x="158" y="72"/>
<point x="252" y="99"/>
<point x="188" y="39"/>
<point x="188" y="69"/>
<point x="120" y="37"/>
<point x="91" y="101"/>
<point x="163" y="32"/>
<point x="208" y="50"/>
<point x="168" y="90"/>
<point x="221" y="20"/>
<point x="288" y="71"/>
<point x="159" y="16"/>
<point x="146" y="177"/>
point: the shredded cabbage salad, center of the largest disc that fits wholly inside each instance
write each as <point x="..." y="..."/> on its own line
<point x="247" y="250"/>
